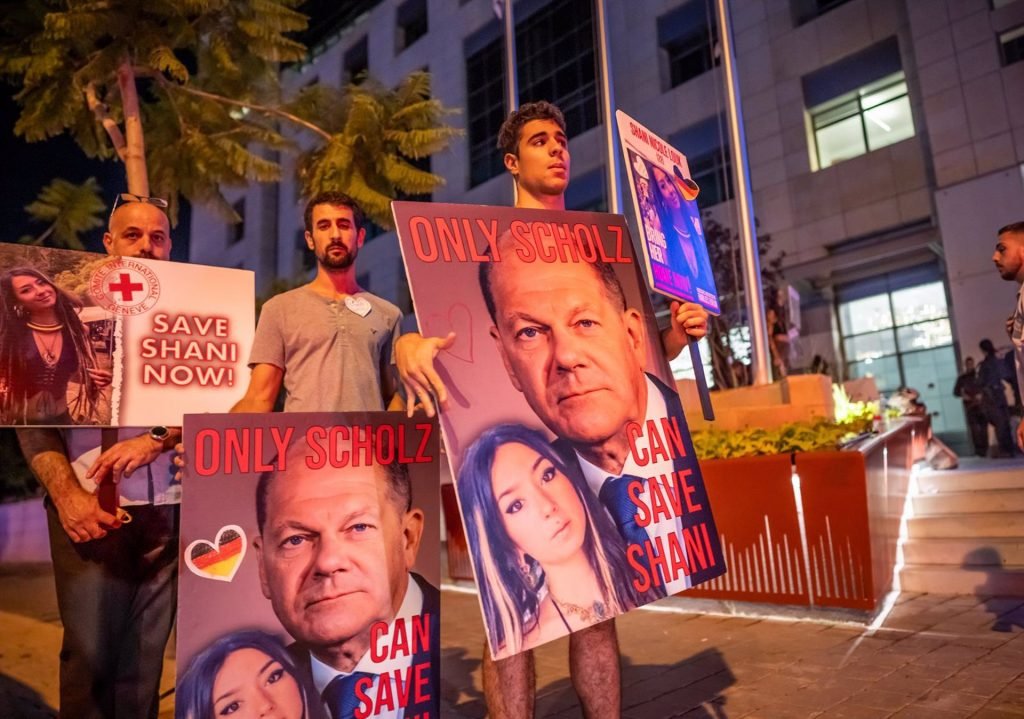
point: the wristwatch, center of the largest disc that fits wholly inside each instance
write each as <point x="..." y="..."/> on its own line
<point x="159" y="434"/>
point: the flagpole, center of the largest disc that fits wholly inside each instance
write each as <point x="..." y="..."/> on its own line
<point x="503" y="9"/>
<point x="749" y="254"/>
<point x="511" y="75"/>
<point x="608" y="109"/>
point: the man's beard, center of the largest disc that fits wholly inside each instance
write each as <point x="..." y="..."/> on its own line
<point x="341" y="262"/>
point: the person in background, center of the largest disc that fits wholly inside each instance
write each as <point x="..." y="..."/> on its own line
<point x="968" y="389"/>
<point x="994" y="405"/>
<point x="1009" y="260"/>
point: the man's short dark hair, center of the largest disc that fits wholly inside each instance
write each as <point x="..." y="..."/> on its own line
<point x="338" y="199"/>
<point x="396" y="473"/>
<point x="605" y="273"/>
<point x="987" y="347"/>
<point x="508" y="135"/>
<point x="1016" y="228"/>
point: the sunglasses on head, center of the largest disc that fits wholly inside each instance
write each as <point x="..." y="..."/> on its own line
<point x="126" y="197"/>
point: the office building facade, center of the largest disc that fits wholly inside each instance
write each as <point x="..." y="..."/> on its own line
<point x="885" y="141"/>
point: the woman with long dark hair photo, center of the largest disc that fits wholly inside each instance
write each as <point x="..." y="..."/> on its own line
<point x="681" y="234"/>
<point x="548" y="559"/>
<point x="44" y="346"/>
<point x="242" y="675"/>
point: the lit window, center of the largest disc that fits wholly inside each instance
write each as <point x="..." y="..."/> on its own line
<point x="895" y="328"/>
<point x="867" y="119"/>
<point x="1011" y="45"/>
<point x="682" y="365"/>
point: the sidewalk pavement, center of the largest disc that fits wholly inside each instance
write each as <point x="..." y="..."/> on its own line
<point x="936" y="657"/>
<point x="30" y="637"/>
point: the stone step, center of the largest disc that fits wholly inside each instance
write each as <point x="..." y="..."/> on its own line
<point x="976" y="551"/>
<point x="1010" y="476"/>
<point x="1004" y="582"/>
<point x="987" y="524"/>
<point x="988" y="500"/>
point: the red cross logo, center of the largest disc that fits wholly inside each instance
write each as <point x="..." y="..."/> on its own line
<point x="126" y="287"/>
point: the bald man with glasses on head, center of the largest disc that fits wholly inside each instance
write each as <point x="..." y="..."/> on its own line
<point x="116" y="575"/>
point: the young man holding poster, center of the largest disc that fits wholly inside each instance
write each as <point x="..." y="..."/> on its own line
<point x="116" y="581"/>
<point x="537" y="156"/>
<point x="329" y="343"/>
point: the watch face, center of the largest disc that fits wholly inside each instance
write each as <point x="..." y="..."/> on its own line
<point x="158" y="432"/>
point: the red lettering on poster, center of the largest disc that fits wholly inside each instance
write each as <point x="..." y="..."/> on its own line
<point x="261" y="449"/>
<point x="395" y="690"/>
<point x="454" y="239"/>
<point x="186" y="350"/>
<point x="462" y="239"/>
<point x="363" y="446"/>
<point x="664" y="440"/>
<point x="241" y="449"/>
<point x="669" y="556"/>
<point x="407" y="637"/>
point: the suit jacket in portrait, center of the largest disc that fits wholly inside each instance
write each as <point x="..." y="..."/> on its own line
<point x="699" y="496"/>
<point x="432" y="609"/>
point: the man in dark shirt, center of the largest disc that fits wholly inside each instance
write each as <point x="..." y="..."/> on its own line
<point x="993" y="397"/>
<point x="968" y="389"/>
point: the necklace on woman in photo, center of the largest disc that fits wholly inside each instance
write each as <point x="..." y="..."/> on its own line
<point x="45" y="328"/>
<point x="597" y="612"/>
<point x="49" y="351"/>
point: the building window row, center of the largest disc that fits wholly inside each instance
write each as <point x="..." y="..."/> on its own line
<point x="485" y="110"/>
<point x="688" y="38"/>
<point x="554" y="61"/>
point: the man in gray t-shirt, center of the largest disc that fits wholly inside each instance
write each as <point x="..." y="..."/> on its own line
<point x="329" y="343"/>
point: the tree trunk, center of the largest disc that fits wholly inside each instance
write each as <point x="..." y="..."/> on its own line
<point x="135" y="146"/>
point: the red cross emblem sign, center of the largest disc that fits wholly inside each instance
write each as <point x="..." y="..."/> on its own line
<point x="125" y="286"/>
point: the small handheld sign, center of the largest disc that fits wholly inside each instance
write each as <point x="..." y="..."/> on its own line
<point x="673" y="244"/>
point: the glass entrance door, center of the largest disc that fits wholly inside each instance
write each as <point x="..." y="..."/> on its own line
<point x="896" y="329"/>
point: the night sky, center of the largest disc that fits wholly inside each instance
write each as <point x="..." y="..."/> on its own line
<point x="27" y="168"/>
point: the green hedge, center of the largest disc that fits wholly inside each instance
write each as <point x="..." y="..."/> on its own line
<point x="794" y="437"/>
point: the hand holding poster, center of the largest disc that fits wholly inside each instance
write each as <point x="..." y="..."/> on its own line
<point x="301" y="536"/>
<point x="664" y="197"/>
<point x="577" y="482"/>
<point x="88" y="339"/>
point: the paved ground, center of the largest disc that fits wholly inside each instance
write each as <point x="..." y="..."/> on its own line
<point x="30" y="634"/>
<point x="935" y="657"/>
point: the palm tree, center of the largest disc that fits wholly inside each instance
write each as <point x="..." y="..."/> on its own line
<point x="186" y="93"/>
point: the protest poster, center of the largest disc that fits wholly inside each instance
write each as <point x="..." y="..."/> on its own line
<point x="90" y="339"/>
<point x="576" y="477"/>
<point x="675" y="250"/>
<point x="310" y="540"/>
